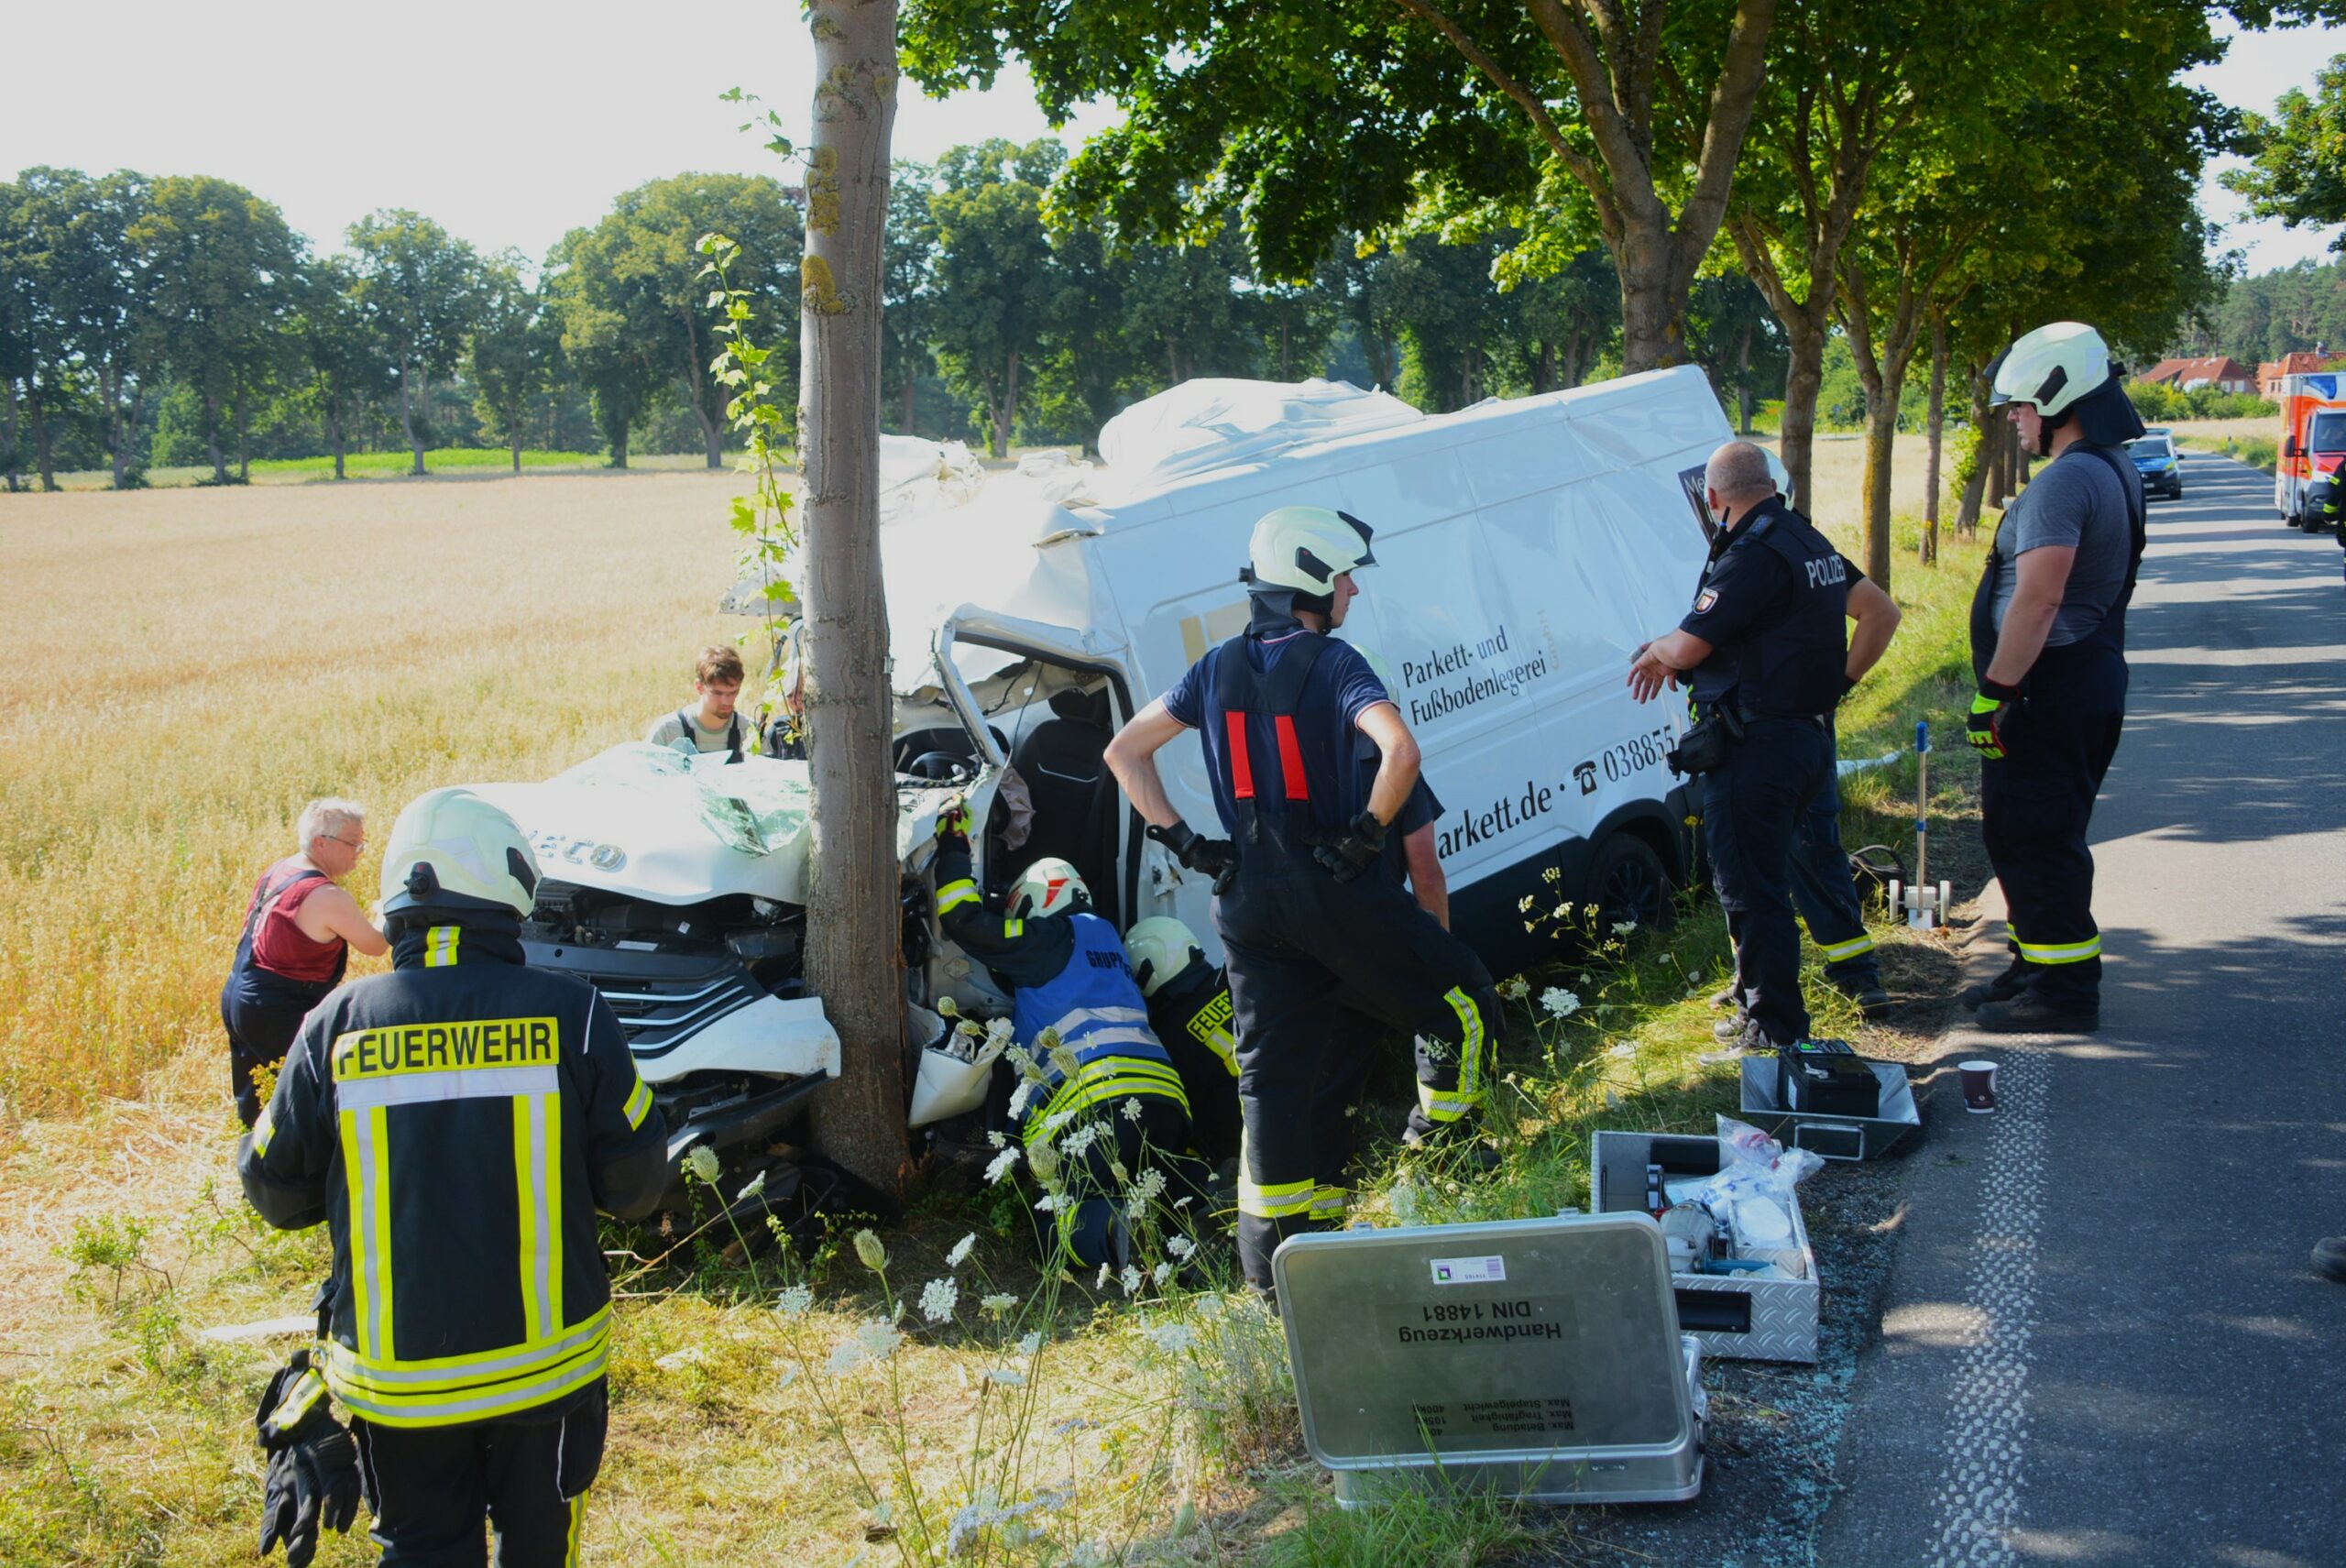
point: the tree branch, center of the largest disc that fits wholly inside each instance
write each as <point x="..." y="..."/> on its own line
<point x="1741" y="68"/>
<point x="1574" y="160"/>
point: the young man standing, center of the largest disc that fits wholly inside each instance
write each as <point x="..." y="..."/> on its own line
<point x="711" y="721"/>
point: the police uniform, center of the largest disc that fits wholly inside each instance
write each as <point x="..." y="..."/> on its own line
<point x="1277" y="710"/>
<point x="456" y="1123"/>
<point x="1826" y="896"/>
<point x="1068" y="973"/>
<point x="2036" y="800"/>
<point x="1773" y="604"/>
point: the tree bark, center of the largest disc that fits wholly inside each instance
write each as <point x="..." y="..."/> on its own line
<point x="212" y="437"/>
<point x="513" y="428"/>
<point x="1796" y="428"/>
<point x="118" y="439"/>
<point x="244" y="438"/>
<point x="8" y="432"/>
<point x="41" y="453"/>
<point x="1743" y="383"/>
<point x="854" y="953"/>
<point x="407" y="422"/>
<point x="340" y="439"/>
<point x="1937" y="432"/>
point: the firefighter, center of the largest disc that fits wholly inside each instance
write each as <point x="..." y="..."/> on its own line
<point x="2333" y="502"/>
<point x="2048" y="646"/>
<point x="456" y="1123"/>
<point x="1189" y="1012"/>
<point x="1308" y="935"/>
<point x="1765" y="655"/>
<point x="1109" y="1092"/>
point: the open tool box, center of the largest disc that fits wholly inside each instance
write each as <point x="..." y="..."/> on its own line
<point x="1764" y="1315"/>
<point x="1833" y="1135"/>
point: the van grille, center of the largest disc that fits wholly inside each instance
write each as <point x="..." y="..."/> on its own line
<point x="661" y="999"/>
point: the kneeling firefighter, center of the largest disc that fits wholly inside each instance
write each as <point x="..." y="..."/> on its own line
<point x="1108" y="1094"/>
<point x="1278" y="709"/>
<point x="456" y="1123"/>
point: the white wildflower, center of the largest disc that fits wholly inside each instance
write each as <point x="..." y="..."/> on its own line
<point x="999" y="1304"/>
<point x="1131" y="1279"/>
<point x="937" y="1299"/>
<point x="1023" y="1060"/>
<point x="960" y="1253"/>
<point x="1051" y="1203"/>
<point x="1174" y="1339"/>
<point x="1180" y="1246"/>
<point x="1181" y="1202"/>
<point x="1107" y="1272"/>
<point x="998" y="1032"/>
<point x="1623" y="927"/>
<point x="1082" y="1138"/>
<point x="1515" y="988"/>
<point x="1087" y="1555"/>
<point x="1160" y="1274"/>
<point x="1402" y="1199"/>
<point x="789" y="1375"/>
<point x="997" y="1140"/>
<point x="1002" y="1165"/>
<point x="702" y="1162"/>
<point x="1132" y="1108"/>
<point x="755" y="1185"/>
<point x="1620" y="1048"/>
<point x="1031" y="1345"/>
<point x="1008" y="1377"/>
<point x="1563" y="912"/>
<point x="1559" y="1003"/>
<point x="794" y="1301"/>
<point x="1020" y="1096"/>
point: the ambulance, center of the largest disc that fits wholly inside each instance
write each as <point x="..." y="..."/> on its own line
<point x="2313" y="442"/>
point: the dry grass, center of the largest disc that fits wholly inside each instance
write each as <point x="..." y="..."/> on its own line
<point x="2215" y="431"/>
<point x="186" y="669"/>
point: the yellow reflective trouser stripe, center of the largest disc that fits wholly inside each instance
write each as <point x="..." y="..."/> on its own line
<point x="440" y="946"/>
<point x="367" y="1173"/>
<point x="577" y="1528"/>
<point x="1442" y="1107"/>
<point x="1269" y="1200"/>
<point x="1330" y="1202"/>
<point x="2058" y="952"/>
<point x="1836" y="951"/>
<point x="1447" y="1105"/>
<point x="1123" y="1077"/>
<point x="954" y="895"/>
<point x="264" y="1129"/>
<point x="639" y="1103"/>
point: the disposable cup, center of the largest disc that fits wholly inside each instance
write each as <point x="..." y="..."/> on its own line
<point x="1979" y="1086"/>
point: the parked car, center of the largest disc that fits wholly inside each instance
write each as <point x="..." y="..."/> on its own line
<point x="2158" y="462"/>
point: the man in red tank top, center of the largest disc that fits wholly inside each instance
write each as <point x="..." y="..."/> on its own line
<point x="299" y="930"/>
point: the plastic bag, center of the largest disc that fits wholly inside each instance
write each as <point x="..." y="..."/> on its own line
<point x="1753" y="1193"/>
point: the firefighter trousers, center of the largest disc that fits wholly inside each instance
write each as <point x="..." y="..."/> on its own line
<point x="2036" y="806"/>
<point x="431" y="1490"/>
<point x="1307" y="958"/>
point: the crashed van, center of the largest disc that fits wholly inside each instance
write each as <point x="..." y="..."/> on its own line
<point x="1526" y="546"/>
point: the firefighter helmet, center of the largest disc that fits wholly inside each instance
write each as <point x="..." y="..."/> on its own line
<point x="452" y="849"/>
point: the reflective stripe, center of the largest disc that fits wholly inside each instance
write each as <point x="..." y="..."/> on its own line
<point x="462" y="1372"/>
<point x="1224" y="1044"/>
<point x="2059" y="952"/>
<point x="1470" y="1045"/>
<point x="1070" y="1023"/>
<point x="483" y="1404"/>
<point x="1013" y="928"/>
<point x="639" y="1104"/>
<point x="307" y="1390"/>
<point x="1111" y="1078"/>
<point x="1277" y="1201"/>
<point x="548" y="1196"/>
<point x="440" y="946"/>
<point x="264" y="1129"/>
<point x="461" y="1083"/>
<point x="1835" y="952"/>
<point x="1330" y="1202"/>
<point x="1095" y="1039"/>
<point x="366" y="1158"/>
<point x="577" y="1528"/>
<point x="531" y="1136"/>
<point x="953" y="894"/>
<point x="1442" y="1107"/>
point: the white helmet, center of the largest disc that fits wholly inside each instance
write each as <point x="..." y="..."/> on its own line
<point x="1159" y="947"/>
<point x="1049" y="887"/>
<point x="450" y="849"/>
<point x="2052" y="367"/>
<point x="1306" y="549"/>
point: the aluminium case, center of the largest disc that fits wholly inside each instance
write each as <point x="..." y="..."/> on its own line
<point x="1834" y="1137"/>
<point x="1538" y="1359"/>
<point x="1741" y="1316"/>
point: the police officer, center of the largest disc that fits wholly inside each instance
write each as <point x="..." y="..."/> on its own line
<point x="1767" y="656"/>
<point x="1108" y="1090"/>
<point x="456" y="1123"/>
<point x="1307" y="934"/>
<point x="2048" y="645"/>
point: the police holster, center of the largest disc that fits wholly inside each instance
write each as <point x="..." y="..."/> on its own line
<point x="1709" y="743"/>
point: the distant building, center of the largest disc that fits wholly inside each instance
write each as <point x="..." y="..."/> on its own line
<point x="2301" y="362"/>
<point x="2222" y="372"/>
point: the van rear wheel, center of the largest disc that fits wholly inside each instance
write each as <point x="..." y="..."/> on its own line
<point x="1630" y="883"/>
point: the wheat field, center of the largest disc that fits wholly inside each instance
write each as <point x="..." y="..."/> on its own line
<point x="184" y="670"/>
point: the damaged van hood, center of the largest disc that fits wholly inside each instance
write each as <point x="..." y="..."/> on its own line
<point x="650" y="822"/>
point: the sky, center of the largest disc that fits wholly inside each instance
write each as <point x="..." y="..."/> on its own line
<point x="512" y="124"/>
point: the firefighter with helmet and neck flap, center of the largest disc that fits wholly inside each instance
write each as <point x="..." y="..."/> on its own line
<point x="456" y="1123"/>
<point x="1310" y="938"/>
<point x="2048" y="647"/>
<point x="1096" y="1091"/>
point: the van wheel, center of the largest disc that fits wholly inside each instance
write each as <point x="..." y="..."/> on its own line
<point x="1630" y="883"/>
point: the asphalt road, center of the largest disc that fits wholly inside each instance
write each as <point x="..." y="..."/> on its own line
<point x="2102" y="1342"/>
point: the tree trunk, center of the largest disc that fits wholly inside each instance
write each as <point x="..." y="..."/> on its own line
<point x="1937" y="432"/>
<point x="1575" y="344"/>
<point x="43" y="457"/>
<point x="212" y="437"/>
<point x="9" y="437"/>
<point x="854" y="952"/>
<point x="1882" y="434"/>
<point x="407" y="422"/>
<point x="341" y="440"/>
<point x="1796" y="429"/>
<point x="244" y="439"/>
<point x="117" y="438"/>
<point x="1743" y="383"/>
<point x="912" y="390"/>
<point x="1975" y="489"/>
<point x="1653" y="314"/>
<point x="514" y="427"/>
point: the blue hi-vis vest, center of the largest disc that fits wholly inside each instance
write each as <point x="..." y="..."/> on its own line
<point x="1095" y="1004"/>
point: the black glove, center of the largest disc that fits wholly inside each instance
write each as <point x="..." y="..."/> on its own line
<point x="312" y="1463"/>
<point x="1990" y="709"/>
<point x="1347" y="854"/>
<point x="1216" y="858"/>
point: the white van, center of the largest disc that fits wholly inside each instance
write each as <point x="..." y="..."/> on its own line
<point x="1525" y="547"/>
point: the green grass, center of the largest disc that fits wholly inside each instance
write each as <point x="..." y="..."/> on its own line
<point x="2256" y="451"/>
<point x="470" y="462"/>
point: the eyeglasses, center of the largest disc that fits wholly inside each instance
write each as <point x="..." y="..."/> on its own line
<point x="353" y="843"/>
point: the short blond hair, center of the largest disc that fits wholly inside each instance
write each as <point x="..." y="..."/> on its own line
<point x="720" y="664"/>
<point x="325" y="817"/>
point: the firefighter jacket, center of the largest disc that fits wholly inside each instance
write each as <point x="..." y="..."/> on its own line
<point x="456" y="1123"/>
<point x="1067" y="973"/>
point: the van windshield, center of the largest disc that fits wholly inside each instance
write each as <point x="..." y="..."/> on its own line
<point x="2150" y="446"/>
<point x="2329" y="432"/>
